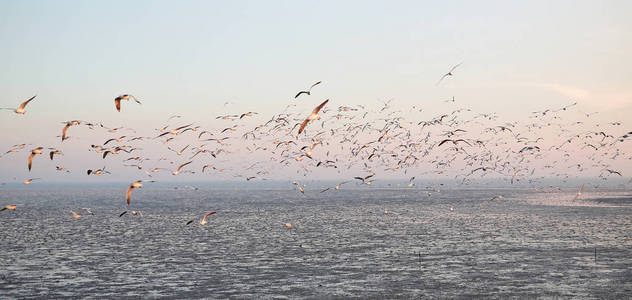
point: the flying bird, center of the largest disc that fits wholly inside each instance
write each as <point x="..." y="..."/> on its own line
<point x="309" y="91"/>
<point x="134" y="185"/>
<point x="20" y="110"/>
<point x="8" y="207"/>
<point x="313" y="116"/>
<point x="117" y="100"/>
<point x="203" y="222"/>
<point x="448" y="74"/>
<point x="34" y="152"/>
<point x="177" y="171"/>
<point x="301" y="187"/>
<point x="28" y="181"/>
<point x="579" y="193"/>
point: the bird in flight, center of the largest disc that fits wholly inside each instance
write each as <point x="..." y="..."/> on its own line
<point x="28" y="181"/>
<point x="579" y="193"/>
<point x="177" y="171"/>
<point x="34" y="152"/>
<point x="448" y="74"/>
<point x="313" y="116"/>
<point x="20" y="110"/>
<point x="203" y="222"/>
<point x="309" y="91"/>
<point x="135" y="184"/>
<point x="8" y="207"/>
<point x="117" y="100"/>
<point x="301" y="187"/>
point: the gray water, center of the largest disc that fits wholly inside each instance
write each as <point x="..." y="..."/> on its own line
<point x="341" y="244"/>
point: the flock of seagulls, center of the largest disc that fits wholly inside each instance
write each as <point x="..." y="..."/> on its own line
<point x="356" y="139"/>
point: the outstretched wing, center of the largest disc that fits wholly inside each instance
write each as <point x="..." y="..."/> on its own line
<point x="300" y="93"/>
<point x="317" y="109"/>
<point x="117" y="102"/>
<point x="453" y="68"/>
<point x="300" y="129"/>
<point x="313" y="85"/>
<point x="26" y="102"/>
<point x="128" y="194"/>
<point x="30" y="160"/>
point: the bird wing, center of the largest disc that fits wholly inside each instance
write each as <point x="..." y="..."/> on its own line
<point x="52" y="153"/>
<point x="317" y="109"/>
<point x="135" y="99"/>
<point x="208" y="214"/>
<point x="182" y="165"/>
<point x="300" y="129"/>
<point x="445" y="141"/>
<point x="128" y="194"/>
<point x="453" y="68"/>
<point x="122" y="214"/>
<point x="26" y="102"/>
<point x="442" y="78"/>
<point x="315" y="84"/>
<point x="117" y="102"/>
<point x="63" y="132"/>
<point x="30" y="160"/>
<point x="299" y="93"/>
<point x="189" y="222"/>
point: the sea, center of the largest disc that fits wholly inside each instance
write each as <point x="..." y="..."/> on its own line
<point x="278" y="243"/>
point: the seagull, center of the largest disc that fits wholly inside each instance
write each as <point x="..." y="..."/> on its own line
<point x="203" y="222"/>
<point x="309" y="91"/>
<point x="75" y="215"/>
<point x="499" y="197"/>
<point x="313" y="116"/>
<point x="455" y="142"/>
<point x="98" y="171"/>
<point x="68" y="124"/>
<point x="301" y="188"/>
<point x="52" y="153"/>
<point x="613" y="172"/>
<point x="364" y="178"/>
<point x="135" y="184"/>
<point x="34" y="152"/>
<point x="579" y="193"/>
<point x="133" y="213"/>
<point x="28" y="181"/>
<point x="117" y="100"/>
<point x="20" y="110"/>
<point x="8" y="207"/>
<point x="176" y="172"/>
<point x="448" y="74"/>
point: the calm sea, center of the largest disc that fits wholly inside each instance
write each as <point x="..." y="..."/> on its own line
<point x="356" y="242"/>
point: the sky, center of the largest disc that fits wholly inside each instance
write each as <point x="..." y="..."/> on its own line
<point x="190" y="57"/>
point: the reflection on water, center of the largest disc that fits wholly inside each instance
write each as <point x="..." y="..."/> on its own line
<point x="341" y="244"/>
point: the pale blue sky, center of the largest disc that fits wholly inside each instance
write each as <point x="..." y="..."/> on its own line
<point x="189" y="57"/>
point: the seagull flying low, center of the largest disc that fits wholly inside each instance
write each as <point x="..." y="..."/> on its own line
<point x="203" y="222"/>
<point x="313" y="116"/>
<point x="448" y="74"/>
<point x="309" y="91"/>
<point x="301" y="188"/>
<point x="9" y="207"/>
<point x="135" y="184"/>
<point x="117" y="100"/>
<point x="579" y="193"/>
<point x="20" y="110"/>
